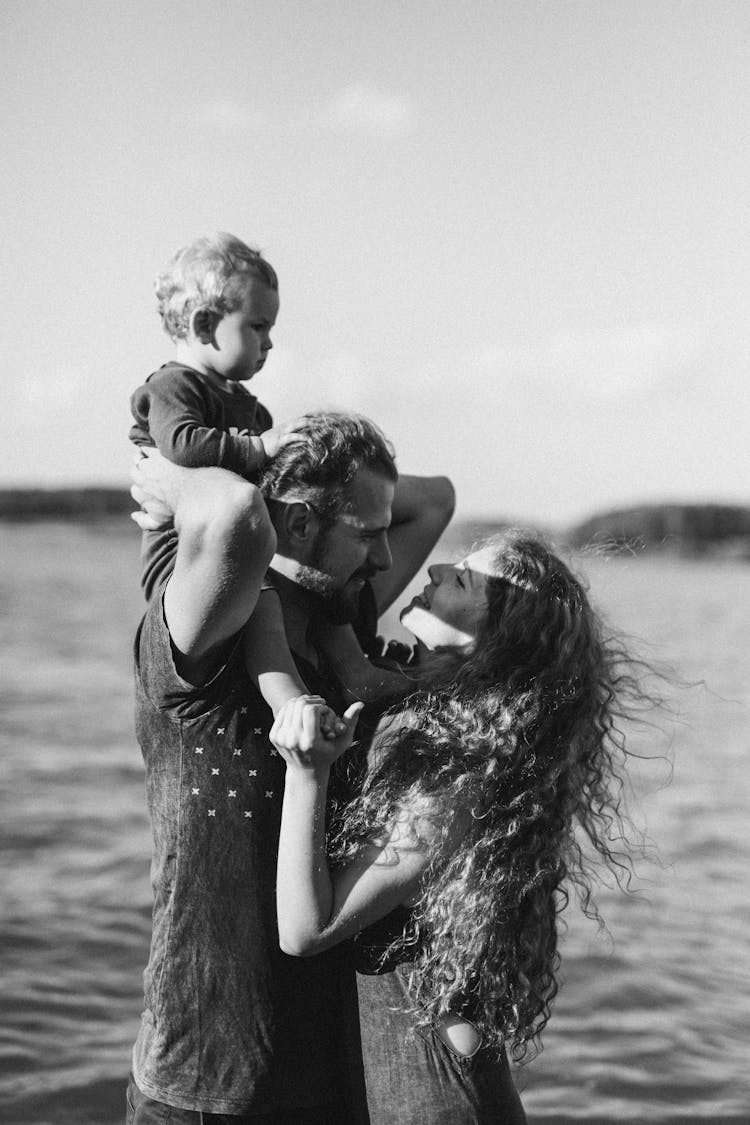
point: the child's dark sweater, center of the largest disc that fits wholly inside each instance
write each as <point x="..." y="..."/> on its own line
<point x="194" y="420"/>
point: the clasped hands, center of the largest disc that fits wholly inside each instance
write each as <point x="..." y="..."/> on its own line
<point x="303" y="735"/>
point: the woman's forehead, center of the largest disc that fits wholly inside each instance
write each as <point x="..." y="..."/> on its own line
<point x="480" y="562"/>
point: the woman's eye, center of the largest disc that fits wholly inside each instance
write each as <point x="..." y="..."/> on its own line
<point x="460" y="581"/>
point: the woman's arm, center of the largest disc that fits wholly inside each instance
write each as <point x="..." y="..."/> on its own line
<point x="317" y="909"/>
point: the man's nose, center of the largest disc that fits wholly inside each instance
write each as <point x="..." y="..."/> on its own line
<point x="380" y="553"/>
<point x="267" y="344"/>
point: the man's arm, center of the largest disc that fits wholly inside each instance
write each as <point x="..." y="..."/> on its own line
<point x="225" y="543"/>
<point x="422" y="509"/>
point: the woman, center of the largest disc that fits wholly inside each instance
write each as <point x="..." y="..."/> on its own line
<point x="451" y="867"/>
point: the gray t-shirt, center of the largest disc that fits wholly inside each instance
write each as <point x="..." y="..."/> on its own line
<point x="231" y="1024"/>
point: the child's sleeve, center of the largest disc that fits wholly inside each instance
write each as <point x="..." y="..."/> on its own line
<point x="268" y="659"/>
<point x="173" y="412"/>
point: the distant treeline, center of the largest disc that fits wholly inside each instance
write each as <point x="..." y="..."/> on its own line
<point x="688" y="528"/>
<point x="24" y="504"/>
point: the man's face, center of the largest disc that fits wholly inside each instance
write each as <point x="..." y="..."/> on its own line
<point x="354" y="549"/>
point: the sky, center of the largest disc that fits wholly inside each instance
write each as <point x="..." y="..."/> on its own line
<point x="514" y="233"/>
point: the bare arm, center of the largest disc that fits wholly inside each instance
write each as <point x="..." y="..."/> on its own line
<point x="315" y="908"/>
<point x="270" y="664"/>
<point x="267" y="657"/>
<point x="422" y="509"/>
<point x="225" y="543"/>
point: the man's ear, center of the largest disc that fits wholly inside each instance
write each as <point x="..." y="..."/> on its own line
<point x="203" y="321"/>
<point x="300" y="524"/>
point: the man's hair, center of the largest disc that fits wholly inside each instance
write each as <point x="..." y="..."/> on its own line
<point x="320" y="468"/>
<point x="212" y="272"/>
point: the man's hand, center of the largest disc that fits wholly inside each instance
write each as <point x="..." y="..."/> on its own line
<point x="149" y="489"/>
<point x="298" y="736"/>
<point x="159" y="486"/>
<point x="275" y="439"/>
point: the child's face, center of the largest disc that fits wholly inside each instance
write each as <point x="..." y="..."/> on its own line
<point x="243" y="337"/>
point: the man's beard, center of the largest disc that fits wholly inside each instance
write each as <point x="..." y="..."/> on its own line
<point x="339" y="606"/>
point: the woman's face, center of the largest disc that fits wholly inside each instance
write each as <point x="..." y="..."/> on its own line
<point x="449" y="610"/>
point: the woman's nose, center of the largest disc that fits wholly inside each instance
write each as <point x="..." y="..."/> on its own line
<point x="436" y="573"/>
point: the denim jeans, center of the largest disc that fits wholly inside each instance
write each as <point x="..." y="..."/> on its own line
<point x="142" y="1110"/>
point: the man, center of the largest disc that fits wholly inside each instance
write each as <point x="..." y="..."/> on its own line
<point x="231" y="1025"/>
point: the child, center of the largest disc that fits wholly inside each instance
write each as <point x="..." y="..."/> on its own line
<point x="218" y="301"/>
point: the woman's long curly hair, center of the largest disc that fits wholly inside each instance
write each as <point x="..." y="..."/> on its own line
<point x="510" y="753"/>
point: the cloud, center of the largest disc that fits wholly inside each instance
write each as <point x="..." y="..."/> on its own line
<point x="610" y="365"/>
<point x="229" y="116"/>
<point x="360" y="108"/>
<point x="357" y="108"/>
<point x="55" y="388"/>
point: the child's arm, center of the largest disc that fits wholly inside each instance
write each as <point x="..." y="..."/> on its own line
<point x="356" y="675"/>
<point x="269" y="662"/>
<point x="173" y="410"/>
<point x="422" y="509"/>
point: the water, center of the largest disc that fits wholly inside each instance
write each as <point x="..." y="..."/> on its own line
<point x="652" y="1022"/>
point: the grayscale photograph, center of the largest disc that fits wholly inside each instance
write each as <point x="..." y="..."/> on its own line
<point x="375" y="563"/>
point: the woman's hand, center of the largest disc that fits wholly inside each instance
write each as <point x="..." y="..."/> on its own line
<point x="302" y="740"/>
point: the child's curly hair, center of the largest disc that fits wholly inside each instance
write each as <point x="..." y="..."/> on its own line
<point x="507" y="750"/>
<point x="214" y="272"/>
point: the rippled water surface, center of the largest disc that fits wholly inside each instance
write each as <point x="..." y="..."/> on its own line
<point x="652" y="1021"/>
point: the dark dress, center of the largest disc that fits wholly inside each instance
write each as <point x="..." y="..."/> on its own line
<point x="412" y="1076"/>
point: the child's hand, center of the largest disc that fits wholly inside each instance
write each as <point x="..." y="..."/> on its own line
<point x="275" y="439"/>
<point x="297" y="734"/>
<point x="331" y="726"/>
